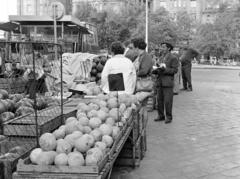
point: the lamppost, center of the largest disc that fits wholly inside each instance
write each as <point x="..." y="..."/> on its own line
<point x="146" y="35"/>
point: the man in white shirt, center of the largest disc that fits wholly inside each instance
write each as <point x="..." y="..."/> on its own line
<point x="119" y="64"/>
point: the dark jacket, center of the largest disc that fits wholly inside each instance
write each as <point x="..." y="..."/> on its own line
<point x="145" y="65"/>
<point x="131" y="55"/>
<point x="166" y="75"/>
<point x="187" y="57"/>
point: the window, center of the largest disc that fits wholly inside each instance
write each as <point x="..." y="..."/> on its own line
<point x="175" y="3"/>
<point x="163" y="4"/>
<point x="29" y="9"/>
<point x="193" y="4"/>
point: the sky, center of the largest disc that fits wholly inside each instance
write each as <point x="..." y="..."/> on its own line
<point x="8" y="7"/>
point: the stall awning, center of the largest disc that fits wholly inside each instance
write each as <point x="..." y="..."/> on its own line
<point x="10" y="27"/>
<point x="68" y="20"/>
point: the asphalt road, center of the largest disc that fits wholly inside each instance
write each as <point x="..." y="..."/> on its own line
<point x="203" y="141"/>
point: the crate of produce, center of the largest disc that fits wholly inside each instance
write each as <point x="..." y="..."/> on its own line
<point x="14" y="149"/>
<point x="47" y="120"/>
<point x="13" y="85"/>
<point x="27" y="170"/>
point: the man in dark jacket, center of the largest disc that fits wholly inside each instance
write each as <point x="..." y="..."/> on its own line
<point x="186" y="61"/>
<point x="165" y="79"/>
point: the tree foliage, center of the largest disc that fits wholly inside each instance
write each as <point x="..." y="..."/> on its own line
<point x="220" y="39"/>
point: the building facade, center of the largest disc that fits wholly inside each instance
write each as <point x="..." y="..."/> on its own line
<point x="203" y="11"/>
<point x="40" y="7"/>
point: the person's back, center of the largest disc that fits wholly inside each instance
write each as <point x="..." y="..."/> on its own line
<point x="119" y="64"/>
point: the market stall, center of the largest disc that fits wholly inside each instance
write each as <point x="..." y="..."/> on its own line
<point x="89" y="143"/>
<point x="89" y="134"/>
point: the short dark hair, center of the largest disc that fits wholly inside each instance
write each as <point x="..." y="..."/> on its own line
<point x="170" y="46"/>
<point x="117" y="48"/>
<point x="139" y="43"/>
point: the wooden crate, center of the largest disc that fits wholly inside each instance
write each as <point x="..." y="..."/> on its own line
<point x="13" y="85"/>
<point x="26" y="170"/>
<point x="8" y="165"/>
<point x="48" y="120"/>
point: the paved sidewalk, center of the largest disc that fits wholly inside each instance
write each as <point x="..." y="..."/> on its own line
<point x="203" y="142"/>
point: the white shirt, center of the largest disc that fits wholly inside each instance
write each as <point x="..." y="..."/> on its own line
<point x="120" y="64"/>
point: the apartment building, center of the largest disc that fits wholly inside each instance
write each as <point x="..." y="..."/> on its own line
<point x="40" y="7"/>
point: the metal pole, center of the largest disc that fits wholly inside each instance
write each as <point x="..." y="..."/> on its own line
<point x="146" y="36"/>
<point x="55" y="29"/>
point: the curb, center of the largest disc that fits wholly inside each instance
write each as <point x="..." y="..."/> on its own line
<point x="216" y="67"/>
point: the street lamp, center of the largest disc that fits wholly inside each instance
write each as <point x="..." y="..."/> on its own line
<point x="146" y="35"/>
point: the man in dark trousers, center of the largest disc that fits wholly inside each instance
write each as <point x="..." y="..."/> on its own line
<point x="186" y="61"/>
<point x="165" y="79"/>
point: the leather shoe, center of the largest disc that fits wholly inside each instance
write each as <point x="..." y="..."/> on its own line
<point x="159" y="119"/>
<point x="183" y="89"/>
<point x="168" y="121"/>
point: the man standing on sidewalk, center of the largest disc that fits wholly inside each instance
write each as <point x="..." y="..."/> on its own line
<point x="164" y="83"/>
<point x="186" y="60"/>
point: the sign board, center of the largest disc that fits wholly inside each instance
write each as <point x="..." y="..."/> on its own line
<point x="58" y="8"/>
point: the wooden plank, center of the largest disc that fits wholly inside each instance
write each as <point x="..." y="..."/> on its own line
<point x="16" y="175"/>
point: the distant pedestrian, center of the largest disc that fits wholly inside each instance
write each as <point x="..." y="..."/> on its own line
<point x="186" y="65"/>
<point x="165" y="76"/>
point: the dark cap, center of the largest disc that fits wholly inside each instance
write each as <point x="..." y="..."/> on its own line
<point x="169" y="45"/>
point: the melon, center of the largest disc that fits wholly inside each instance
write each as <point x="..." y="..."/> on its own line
<point x="106" y="129"/>
<point x="112" y="103"/>
<point x="108" y="140"/>
<point x="83" y="144"/>
<point x="101" y="145"/>
<point x="71" y="127"/>
<point x="94" y="155"/>
<point x="102" y="97"/>
<point x="95" y="122"/>
<point x="92" y="113"/>
<point x="102" y="103"/>
<point x="4" y="94"/>
<point x="81" y="114"/>
<point x="105" y="109"/>
<point x="96" y="151"/>
<point x="113" y="113"/>
<point x="96" y="133"/>
<point x="87" y="130"/>
<point x="48" y="142"/>
<point x="122" y="108"/>
<point x="110" y="121"/>
<point x="115" y="132"/>
<point x="34" y="155"/>
<point x="59" y="133"/>
<point x="70" y="119"/>
<point x="71" y="138"/>
<point x="79" y="127"/>
<point x="93" y="106"/>
<point x="84" y="121"/>
<point x="61" y="159"/>
<point x="85" y="108"/>
<point x="46" y="158"/>
<point x="102" y="115"/>
<point x="63" y="146"/>
<point x="75" y="159"/>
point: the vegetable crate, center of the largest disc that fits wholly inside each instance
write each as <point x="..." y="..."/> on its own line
<point x="13" y="85"/>
<point x="26" y="170"/>
<point x="13" y="149"/>
<point x="48" y="119"/>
